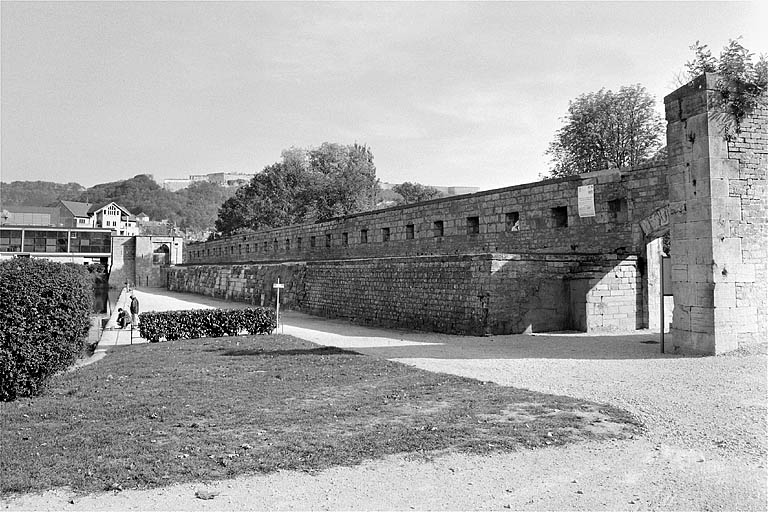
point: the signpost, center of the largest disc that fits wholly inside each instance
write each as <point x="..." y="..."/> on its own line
<point x="278" y="286"/>
<point x="666" y="289"/>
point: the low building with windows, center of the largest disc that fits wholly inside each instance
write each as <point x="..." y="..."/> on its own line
<point x="72" y="245"/>
<point x="136" y="260"/>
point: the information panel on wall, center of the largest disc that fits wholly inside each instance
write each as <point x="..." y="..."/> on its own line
<point x="587" y="201"/>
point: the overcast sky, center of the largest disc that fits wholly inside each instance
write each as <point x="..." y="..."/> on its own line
<point x="464" y="94"/>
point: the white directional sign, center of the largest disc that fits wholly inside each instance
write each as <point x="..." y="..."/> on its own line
<point x="278" y="285"/>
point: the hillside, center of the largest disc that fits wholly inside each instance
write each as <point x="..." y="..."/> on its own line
<point x="194" y="208"/>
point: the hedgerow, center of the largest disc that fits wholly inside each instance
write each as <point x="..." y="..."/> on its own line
<point x="45" y="312"/>
<point x="199" y="323"/>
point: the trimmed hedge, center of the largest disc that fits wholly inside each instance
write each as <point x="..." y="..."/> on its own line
<point x="200" y="323"/>
<point x="45" y="310"/>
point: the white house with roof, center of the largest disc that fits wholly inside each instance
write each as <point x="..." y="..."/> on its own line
<point x="115" y="217"/>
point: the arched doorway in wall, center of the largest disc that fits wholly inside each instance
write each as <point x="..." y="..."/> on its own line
<point x="656" y="232"/>
<point x="162" y="255"/>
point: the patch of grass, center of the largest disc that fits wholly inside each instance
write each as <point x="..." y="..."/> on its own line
<point x="208" y="409"/>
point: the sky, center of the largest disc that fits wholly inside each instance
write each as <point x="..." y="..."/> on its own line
<point x="447" y="94"/>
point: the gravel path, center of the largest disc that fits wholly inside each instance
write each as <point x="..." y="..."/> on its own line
<point x="705" y="447"/>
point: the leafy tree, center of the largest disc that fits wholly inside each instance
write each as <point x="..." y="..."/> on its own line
<point x="606" y="129"/>
<point x="742" y="83"/>
<point x="415" y="192"/>
<point x="306" y="185"/>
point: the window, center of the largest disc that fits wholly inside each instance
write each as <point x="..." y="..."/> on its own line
<point x="617" y="208"/>
<point x="247" y="248"/>
<point x="266" y="246"/>
<point x="327" y="239"/>
<point x="298" y="243"/>
<point x="363" y="236"/>
<point x="437" y="228"/>
<point x="274" y="245"/>
<point x="385" y="234"/>
<point x="473" y="225"/>
<point x="560" y="217"/>
<point x="312" y="242"/>
<point x="287" y="244"/>
<point x="345" y="239"/>
<point x="409" y="231"/>
<point x="513" y="221"/>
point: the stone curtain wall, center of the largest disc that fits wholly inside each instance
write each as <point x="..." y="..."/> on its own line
<point x="518" y="259"/>
<point x="509" y="220"/>
<point x="718" y="218"/>
<point x="469" y="294"/>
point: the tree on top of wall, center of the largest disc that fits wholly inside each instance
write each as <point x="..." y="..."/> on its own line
<point x="742" y="84"/>
<point x="606" y="129"/>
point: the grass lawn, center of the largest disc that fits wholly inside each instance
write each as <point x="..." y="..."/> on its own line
<point x="151" y="415"/>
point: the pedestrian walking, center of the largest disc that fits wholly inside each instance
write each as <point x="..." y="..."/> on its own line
<point x="134" y="310"/>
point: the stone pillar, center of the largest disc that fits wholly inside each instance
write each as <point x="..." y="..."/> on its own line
<point x="715" y="236"/>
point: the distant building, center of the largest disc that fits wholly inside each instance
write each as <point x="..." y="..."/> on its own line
<point x="225" y="179"/>
<point x="447" y="191"/>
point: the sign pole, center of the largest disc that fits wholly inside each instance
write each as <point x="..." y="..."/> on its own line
<point x="277" y="286"/>
<point x="277" y="309"/>
<point x="661" y="303"/>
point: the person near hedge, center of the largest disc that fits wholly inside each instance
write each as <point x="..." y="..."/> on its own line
<point x="122" y="318"/>
<point x="134" y="310"/>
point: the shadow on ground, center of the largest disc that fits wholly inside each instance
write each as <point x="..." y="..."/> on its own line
<point x="400" y="344"/>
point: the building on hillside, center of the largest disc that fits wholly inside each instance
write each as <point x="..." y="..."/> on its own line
<point x="225" y="179"/>
<point x="113" y="216"/>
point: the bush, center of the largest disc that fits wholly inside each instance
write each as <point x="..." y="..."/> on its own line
<point x="199" y="323"/>
<point x="45" y="312"/>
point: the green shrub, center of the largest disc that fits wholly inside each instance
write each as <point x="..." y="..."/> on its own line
<point x="45" y="312"/>
<point x="199" y="323"/>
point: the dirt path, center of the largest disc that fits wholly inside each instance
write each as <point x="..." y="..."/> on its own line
<point x="705" y="447"/>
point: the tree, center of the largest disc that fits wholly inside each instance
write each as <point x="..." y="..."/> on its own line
<point x="415" y="192"/>
<point x="307" y="185"/>
<point x="606" y="129"/>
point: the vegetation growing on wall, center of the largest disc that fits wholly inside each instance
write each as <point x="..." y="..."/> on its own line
<point x="742" y="84"/>
<point x="44" y="319"/>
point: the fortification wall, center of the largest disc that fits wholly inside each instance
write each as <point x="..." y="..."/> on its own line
<point x="472" y="294"/>
<point x="540" y="217"/>
<point x="518" y="259"/>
